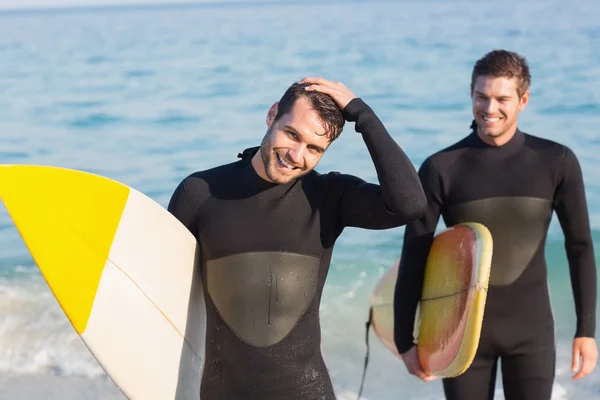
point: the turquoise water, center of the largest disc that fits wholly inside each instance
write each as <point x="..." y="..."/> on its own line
<point x="148" y="95"/>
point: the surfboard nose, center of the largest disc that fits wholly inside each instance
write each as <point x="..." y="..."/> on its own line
<point x="68" y="220"/>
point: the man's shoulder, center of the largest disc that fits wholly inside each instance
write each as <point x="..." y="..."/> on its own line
<point x="330" y="183"/>
<point x="217" y="172"/>
<point x="201" y="183"/>
<point x="329" y="177"/>
<point x="442" y="159"/>
<point x="547" y="147"/>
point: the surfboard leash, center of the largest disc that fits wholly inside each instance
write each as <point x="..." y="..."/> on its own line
<point x="367" y="326"/>
<point x="477" y="286"/>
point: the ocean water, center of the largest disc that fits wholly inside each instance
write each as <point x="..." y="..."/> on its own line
<point x="146" y="95"/>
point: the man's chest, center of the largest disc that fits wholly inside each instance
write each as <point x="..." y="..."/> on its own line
<point x="473" y="179"/>
<point x="260" y="223"/>
<point x="515" y="192"/>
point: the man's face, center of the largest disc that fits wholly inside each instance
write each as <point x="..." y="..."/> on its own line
<point x="496" y="105"/>
<point x="294" y="143"/>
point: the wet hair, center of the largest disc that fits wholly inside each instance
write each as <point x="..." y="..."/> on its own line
<point x="503" y="64"/>
<point x="330" y="114"/>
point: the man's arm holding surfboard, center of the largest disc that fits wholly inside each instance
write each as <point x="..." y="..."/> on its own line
<point x="188" y="197"/>
<point x="571" y="209"/>
<point x="181" y="207"/>
<point x="418" y="238"/>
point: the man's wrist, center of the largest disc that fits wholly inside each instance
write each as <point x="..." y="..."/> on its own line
<point x="354" y="109"/>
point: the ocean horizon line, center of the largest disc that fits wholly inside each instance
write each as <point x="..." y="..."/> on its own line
<point x="159" y="4"/>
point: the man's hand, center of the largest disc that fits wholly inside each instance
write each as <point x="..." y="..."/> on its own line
<point x="411" y="361"/>
<point x="586" y="349"/>
<point x="338" y="92"/>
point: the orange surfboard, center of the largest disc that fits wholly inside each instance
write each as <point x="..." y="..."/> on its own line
<point x="450" y="312"/>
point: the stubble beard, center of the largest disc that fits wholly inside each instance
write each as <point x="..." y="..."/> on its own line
<point x="268" y="157"/>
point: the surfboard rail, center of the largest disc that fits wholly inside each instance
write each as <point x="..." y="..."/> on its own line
<point x="451" y="309"/>
<point x="124" y="271"/>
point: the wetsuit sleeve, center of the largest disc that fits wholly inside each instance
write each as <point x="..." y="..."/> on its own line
<point x="181" y="207"/>
<point x="571" y="209"/>
<point x="399" y="197"/>
<point x="418" y="237"/>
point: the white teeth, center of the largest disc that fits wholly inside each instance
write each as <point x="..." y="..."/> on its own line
<point x="281" y="160"/>
<point x="488" y="119"/>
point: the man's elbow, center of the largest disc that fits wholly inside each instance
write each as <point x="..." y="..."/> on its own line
<point x="410" y="209"/>
<point x="417" y="210"/>
<point x="420" y="207"/>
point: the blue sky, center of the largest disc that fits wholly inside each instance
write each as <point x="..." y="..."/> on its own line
<point x="17" y="4"/>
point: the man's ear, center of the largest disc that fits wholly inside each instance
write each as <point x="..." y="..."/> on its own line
<point x="524" y="100"/>
<point x="271" y="114"/>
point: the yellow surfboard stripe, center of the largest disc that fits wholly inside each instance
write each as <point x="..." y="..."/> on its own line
<point x="55" y="211"/>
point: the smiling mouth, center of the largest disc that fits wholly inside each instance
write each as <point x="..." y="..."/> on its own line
<point x="490" y="119"/>
<point x="284" y="164"/>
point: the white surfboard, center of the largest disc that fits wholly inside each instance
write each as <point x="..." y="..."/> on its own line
<point x="123" y="270"/>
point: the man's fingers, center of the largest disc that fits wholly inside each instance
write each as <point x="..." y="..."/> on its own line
<point x="318" y="81"/>
<point x="412" y="369"/>
<point x="323" y="82"/>
<point x="419" y="373"/>
<point x="575" y="361"/>
<point x="580" y="374"/>
<point x="587" y="366"/>
<point x="320" y="88"/>
<point x="411" y="361"/>
<point x="424" y="376"/>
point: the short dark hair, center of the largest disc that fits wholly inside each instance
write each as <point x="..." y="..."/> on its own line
<point x="330" y="114"/>
<point x="505" y="64"/>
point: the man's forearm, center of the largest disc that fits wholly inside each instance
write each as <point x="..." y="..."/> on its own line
<point x="401" y="188"/>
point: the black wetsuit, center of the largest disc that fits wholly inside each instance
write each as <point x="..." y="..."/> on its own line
<point x="513" y="190"/>
<point x="266" y="250"/>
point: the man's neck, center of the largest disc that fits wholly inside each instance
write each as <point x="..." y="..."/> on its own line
<point x="259" y="166"/>
<point x="501" y="140"/>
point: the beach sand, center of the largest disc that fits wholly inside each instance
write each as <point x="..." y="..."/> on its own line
<point x="37" y="387"/>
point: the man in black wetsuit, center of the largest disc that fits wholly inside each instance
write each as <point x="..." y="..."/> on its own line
<point x="511" y="182"/>
<point x="267" y="224"/>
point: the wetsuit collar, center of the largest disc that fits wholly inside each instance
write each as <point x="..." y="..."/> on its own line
<point x="497" y="152"/>
<point x="248" y="153"/>
<point x="251" y="178"/>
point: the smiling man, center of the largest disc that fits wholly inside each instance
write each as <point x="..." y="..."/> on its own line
<point x="511" y="182"/>
<point x="266" y="226"/>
